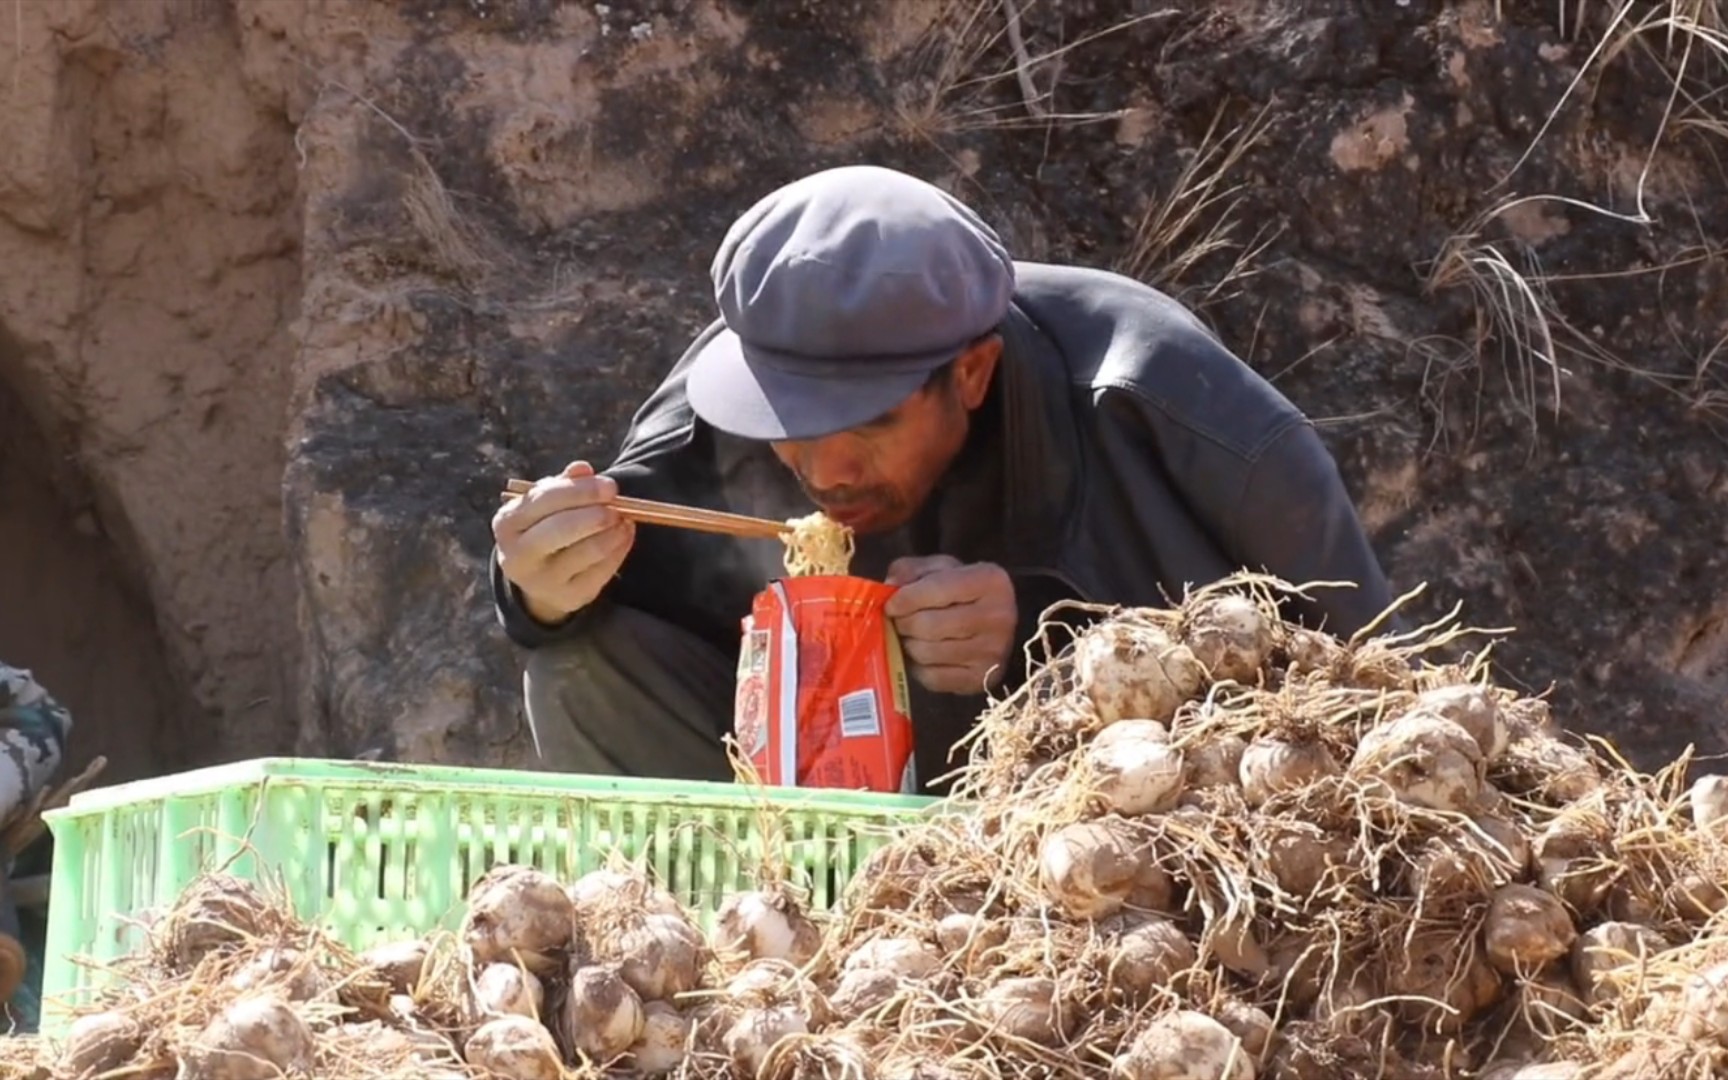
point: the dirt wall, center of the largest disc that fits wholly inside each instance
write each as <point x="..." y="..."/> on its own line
<point x="75" y="616"/>
<point x="148" y="275"/>
<point x="293" y="284"/>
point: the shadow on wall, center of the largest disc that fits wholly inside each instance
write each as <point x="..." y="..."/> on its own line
<point x="72" y="615"/>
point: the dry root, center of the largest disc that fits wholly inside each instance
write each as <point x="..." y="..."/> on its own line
<point x="1198" y="842"/>
<point x="1207" y="826"/>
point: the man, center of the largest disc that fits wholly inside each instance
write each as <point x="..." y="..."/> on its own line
<point x="1000" y="435"/>
<point x="33" y="732"/>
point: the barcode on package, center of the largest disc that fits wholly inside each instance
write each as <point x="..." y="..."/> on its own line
<point x="859" y="718"/>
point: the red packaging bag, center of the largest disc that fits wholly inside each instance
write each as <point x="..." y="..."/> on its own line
<point x="822" y="699"/>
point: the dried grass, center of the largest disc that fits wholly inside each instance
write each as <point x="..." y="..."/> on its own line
<point x="1517" y="321"/>
<point x="1516" y="317"/>
<point x="946" y="94"/>
<point x="1687" y="39"/>
<point x="1513" y="312"/>
<point x="459" y="245"/>
<point x="21" y="1058"/>
<point x="1199" y="218"/>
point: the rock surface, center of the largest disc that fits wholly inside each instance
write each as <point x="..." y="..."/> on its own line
<point x="286" y="289"/>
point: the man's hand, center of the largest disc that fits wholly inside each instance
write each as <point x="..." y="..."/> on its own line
<point x="956" y="622"/>
<point x="562" y="541"/>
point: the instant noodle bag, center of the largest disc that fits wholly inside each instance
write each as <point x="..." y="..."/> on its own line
<point x="822" y="698"/>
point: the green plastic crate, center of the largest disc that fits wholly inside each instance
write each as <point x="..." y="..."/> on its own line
<point x="379" y="852"/>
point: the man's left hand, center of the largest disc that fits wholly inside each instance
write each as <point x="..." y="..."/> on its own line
<point x="956" y="621"/>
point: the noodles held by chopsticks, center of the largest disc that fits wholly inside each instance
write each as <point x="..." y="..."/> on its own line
<point x="818" y="546"/>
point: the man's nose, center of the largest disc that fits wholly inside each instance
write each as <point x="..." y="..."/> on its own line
<point x="829" y="465"/>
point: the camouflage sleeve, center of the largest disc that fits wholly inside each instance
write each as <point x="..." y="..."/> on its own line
<point x="33" y="732"/>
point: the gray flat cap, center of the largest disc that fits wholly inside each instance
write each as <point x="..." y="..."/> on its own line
<point x="841" y="292"/>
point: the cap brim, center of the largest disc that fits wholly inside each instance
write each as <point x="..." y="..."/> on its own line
<point x="745" y="392"/>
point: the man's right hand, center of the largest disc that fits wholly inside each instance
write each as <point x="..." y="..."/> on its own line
<point x="562" y="541"/>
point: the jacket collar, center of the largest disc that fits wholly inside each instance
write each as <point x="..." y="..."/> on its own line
<point x="1008" y="492"/>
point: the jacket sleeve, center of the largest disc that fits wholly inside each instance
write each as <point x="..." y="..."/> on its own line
<point x="1259" y="487"/>
<point x="663" y="457"/>
<point x="520" y="626"/>
<point x="1295" y="520"/>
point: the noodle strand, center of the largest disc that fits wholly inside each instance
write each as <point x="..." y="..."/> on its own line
<point x="818" y="546"/>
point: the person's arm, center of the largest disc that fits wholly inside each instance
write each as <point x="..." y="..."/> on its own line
<point x="1295" y="519"/>
<point x="641" y="470"/>
<point x="1256" y="475"/>
<point x="521" y="625"/>
<point x="1175" y="405"/>
<point x="689" y="579"/>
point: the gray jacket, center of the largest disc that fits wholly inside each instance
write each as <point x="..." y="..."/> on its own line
<point x="1123" y="455"/>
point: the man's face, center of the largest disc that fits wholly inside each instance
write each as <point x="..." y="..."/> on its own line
<point x="875" y="477"/>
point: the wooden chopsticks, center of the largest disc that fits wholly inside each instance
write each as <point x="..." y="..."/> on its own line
<point x="648" y="512"/>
